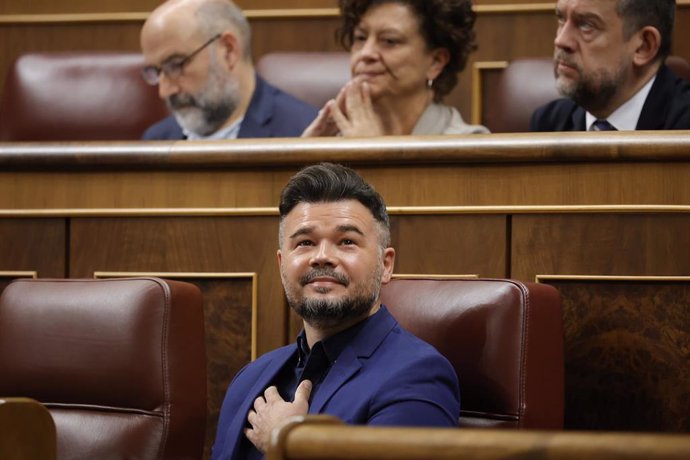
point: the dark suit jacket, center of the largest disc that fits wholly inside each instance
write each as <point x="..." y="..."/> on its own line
<point x="385" y="376"/>
<point x="271" y="113"/>
<point x="667" y="107"/>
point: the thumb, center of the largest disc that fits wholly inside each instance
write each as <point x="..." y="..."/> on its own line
<point x="303" y="391"/>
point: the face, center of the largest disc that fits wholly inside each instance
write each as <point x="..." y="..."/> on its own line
<point x="331" y="262"/>
<point x="389" y="52"/>
<point x="592" y="59"/>
<point x="204" y="96"/>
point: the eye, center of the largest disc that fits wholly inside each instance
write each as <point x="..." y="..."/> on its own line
<point x="390" y="41"/>
<point x="359" y="37"/>
<point x="304" y="243"/>
<point x="347" y="242"/>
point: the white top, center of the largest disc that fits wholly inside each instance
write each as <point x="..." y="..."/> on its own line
<point x="442" y="119"/>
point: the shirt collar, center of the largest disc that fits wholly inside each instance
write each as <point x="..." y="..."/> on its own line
<point x="625" y="117"/>
<point x="229" y="132"/>
<point x="333" y="345"/>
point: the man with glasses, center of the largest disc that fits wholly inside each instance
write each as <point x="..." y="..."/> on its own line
<point x="198" y="52"/>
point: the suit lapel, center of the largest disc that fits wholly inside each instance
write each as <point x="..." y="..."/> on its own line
<point x="353" y="358"/>
<point x="258" y="114"/>
<point x="653" y="115"/>
<point x="266" y="376"/>
<point x="578" y="119"/>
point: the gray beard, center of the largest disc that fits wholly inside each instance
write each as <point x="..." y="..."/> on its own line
<point x="205" y="112"/>
<point x="592" y="92"/>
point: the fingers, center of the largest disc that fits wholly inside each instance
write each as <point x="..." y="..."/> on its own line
<point x="303" y="392"/>
<point x="271" y="394"/>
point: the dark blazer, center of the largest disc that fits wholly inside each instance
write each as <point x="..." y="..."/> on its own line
<point x="271" y="113"/>
<point x="667" y="107"/>
<point x="384" y="376"/>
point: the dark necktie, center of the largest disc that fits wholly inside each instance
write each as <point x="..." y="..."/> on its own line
<point x="603" y="125"/>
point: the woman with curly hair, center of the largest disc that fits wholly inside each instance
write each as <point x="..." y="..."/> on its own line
<point x="405" y="57"/>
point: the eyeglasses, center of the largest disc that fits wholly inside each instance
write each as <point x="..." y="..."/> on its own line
<point x="173" y="67"/>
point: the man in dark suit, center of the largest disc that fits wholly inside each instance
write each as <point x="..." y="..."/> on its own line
<point x="352" y="359"/>
<point x="198" y="52"/>
<point x="609" y="64"/>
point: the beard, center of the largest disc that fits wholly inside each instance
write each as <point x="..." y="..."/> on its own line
<point x="325" y="313"/>
<point x="206" y="111"/>
<point x="593" y="91"/>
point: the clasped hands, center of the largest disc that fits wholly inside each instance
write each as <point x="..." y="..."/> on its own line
<point x="270" y="410"/>
<point x="350" y="114"/>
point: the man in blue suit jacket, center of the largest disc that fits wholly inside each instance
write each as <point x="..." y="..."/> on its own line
<point x="352" y="359"/>
<point x="198" y="53"/>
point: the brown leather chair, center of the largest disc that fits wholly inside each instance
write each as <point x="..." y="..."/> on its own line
<point x="324" y="438"/>
<point x="314" y="77"/>
<point x="77" y="96"/>
<point x="525" y="85"/>
<point x="120" y="363"/>
<point x="504" y="338"/>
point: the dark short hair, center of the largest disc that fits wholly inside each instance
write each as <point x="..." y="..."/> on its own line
<point x="660" y="14"/>
<point x="445" y="24"/>
<point x="330" y="182"/>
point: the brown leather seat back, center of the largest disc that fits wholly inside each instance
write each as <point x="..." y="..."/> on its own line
<point x="77" y="96"/>
<point x="504" y="338"/>
<point x="314" y="77"/>
<point x="120" y="363"/>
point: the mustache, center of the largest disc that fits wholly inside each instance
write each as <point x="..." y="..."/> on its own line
<point x="564" y="58"/>
<point x="182" y="100"/>
<point x="321" y="272"/>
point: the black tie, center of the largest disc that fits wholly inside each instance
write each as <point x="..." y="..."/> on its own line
<point x="603" y="125"/>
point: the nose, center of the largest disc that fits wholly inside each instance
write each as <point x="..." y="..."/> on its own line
<point x="323" y="255"/>
<point x="167" y="86"/>
<point x="564" y="37"/>
<point x="369" y="50"/>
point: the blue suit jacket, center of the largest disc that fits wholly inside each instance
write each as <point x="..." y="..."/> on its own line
<point x="271" y="113"/>
<point x="384" y="376"/>
<point x="667" y="107"/>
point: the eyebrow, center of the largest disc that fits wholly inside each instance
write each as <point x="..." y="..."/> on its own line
<point x="340" y="228"/>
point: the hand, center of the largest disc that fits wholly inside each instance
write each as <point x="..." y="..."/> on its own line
<point x="353" y="111"/>
<point x="323" y="124"/>
<point x="270" y="410"/>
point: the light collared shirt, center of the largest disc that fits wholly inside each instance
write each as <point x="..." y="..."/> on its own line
<point x="625" y="117"/>
<point x="230" y="132"/>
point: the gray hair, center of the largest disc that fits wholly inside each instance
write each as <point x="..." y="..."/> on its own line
<point x="659" y="14"/>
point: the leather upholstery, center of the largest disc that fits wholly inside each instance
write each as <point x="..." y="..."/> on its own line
<point x="504" y="338"/>
<point x="120" y="363"/>
<point x="77" y="96"/>
<point x="314" y="77"/>
<point x="527" y="84"/>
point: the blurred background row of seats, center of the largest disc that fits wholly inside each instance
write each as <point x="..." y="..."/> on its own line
<point x="101" y="96"/>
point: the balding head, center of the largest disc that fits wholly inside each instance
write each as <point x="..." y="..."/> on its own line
<point x="195" y="19"/>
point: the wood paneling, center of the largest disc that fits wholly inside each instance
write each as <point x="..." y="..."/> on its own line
<point x="218" y="245"/>
<point x="626" y="354"/>
<point x="34" y="245"/>
<point x="633" y="245"/>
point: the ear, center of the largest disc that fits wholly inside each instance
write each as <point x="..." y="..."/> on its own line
<point x="279" y="257"/>
<point x="388" y="265"/>
<point x="231" y="48"/>
<point x="439" y="59"/>
<point x="648" y="42"/>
